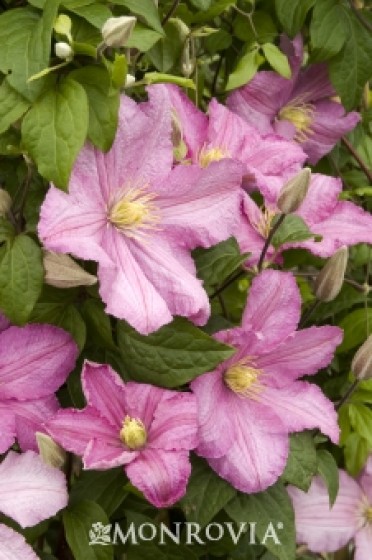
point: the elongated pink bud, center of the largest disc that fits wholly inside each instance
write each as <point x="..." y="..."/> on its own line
<point x="361" y="365"/>
<point x="329" y="281"/>
<point x="294" y="192"/>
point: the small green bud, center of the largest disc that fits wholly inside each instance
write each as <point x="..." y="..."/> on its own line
<point x="330" y="279"/>
<point x="294" y="192"/>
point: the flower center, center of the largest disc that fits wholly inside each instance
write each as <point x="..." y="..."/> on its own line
<point x="133" y="212"/>
<point x="263" y="227"/>
<point x="243" y="379"/>
<point x="368" y="515"/>
<point x="301" y="115"/>
<point x="133" y="433"/>
<point x="206" y="156"/>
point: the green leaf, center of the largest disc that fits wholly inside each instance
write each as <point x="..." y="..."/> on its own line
<point x="12" y="106"/>
<point x="10" y="143"/>
<point x="25" y="46"/>
<point x="21" y="278"/>
<point x="328" y="470"/>
<point x="7" y="231"/>
<point x="291" y="230"/>
<point x="202" y="4"/>
<point x="351" y="68"/>
<point x="54" y="130"/>
<point x="166" y="52"/>
<point x="95" y="14"/>
<point x="357" y="450"/>
<point x="158" y="78"/>
<point x="355" y="327"/>
<point x="103" y="104"/>
<point x="292" y="14"/>
<point x="302" y="461"/>
<point x="98" y="323"/>
<point x="206" y="493"/>
<point x="119" y="71"/>
<point x="272" y="506"/>
<point x="144" y="8"/>
<point x="264" y="26"/>
<point x="143" y="38"/>
<point x="172" y="356"/>
<point x="106" y="488"/>
<point x="277" y="60"/>
<point x="328" y="31"/>
<point x="361" y="420"/>
<point x="214" y="265"/>
<point x="78" y="521"/>
<point x="217" y="8"/>
<point x="244" y="71"/>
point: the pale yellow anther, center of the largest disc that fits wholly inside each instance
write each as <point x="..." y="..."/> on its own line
<point x="367" y="513"/>
<point x="134" y="212"/>
<point x="264" y="225"/>
<point x="133" y="433"/>
<point x="301" y="115"/>
<point x="243" y="379"/>
<point x="208" y="155"/>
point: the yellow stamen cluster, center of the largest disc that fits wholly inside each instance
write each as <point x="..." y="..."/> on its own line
<point x="208" y="155"/>
<point x="243" y="379"/>
<point x="134" y="212"/>
<point x="263" y="227"/>
<point x="133" y="433"/>
<point x="301" y="115"/>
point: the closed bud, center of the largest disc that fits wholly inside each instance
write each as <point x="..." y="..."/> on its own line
<point x="5" y="202"/>
<point x="64" y="51"/>
<point x="117" y="30"/>
<point x="129" y="80"/>
<point x="330" y="279"/>
<point x="63" y="26"/>
<point x="61" y="271"/>
<point x="294" y="192"/>
<point x="50" y="452"/>
<point x="361" y="365"/>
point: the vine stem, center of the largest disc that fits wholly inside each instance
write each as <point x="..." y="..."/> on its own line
<point x="170" y="13"/>
<point x="363" y="21"/>
<point x="348" y="394"/>
<point x="357" y="157"/>
<point x="309" y="313"/>
<point x="269" y="238"/>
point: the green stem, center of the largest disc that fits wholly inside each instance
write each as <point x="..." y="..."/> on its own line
<point x="273" y="230"/>
<point x="348" y="394"/>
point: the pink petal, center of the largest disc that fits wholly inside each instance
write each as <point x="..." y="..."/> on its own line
<point x="101" y="455"/>
<point x="259" y="101"/>
<point x="259" y="451"/>
<point x="213" y="409"/>
<point x="30" y="417"/>
<point x="363" y="543"/>
<point x="13" y="546"/>
<point x="365" y="479"/>
<point x="302" y="353"/>
<point x="143" y="399"/>
<point x="35" y="361"/>
<point x="313" y="84"/>
<point x="4" y="322"/>
<point x="161" y="475"/>
<point x="273" y="307"/>
<point x="302" y="406"/>
<point x="74" y="429"/>
<point x="201" y="206"/>
<point x="40" y="490"/>
<point x="321" y="199"/>
<point x="193" y="122"/>
<point x="323" y="529"/>
<point x="104" y="391"/>
<point x="175" y="423"/>
<point x="8" y="428"/>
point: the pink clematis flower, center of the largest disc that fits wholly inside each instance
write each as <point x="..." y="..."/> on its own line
<point x="147" y="429"/>
<point x="327" y="529"/>
<point x="202" y="139"/>
<point x="34" y="362"/>
<point x="30" y="492"/>
<point x="139" y="219"/>
<point x="299" y="108"/>
<point x="338" y="222"/>
<point x="250" y="403"/>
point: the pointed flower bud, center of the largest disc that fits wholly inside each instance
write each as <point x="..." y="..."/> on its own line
<point x="64" y="51"/>
<point x="5" y="202"/>
<point x="361" y="365"/>
<point x="129" y="80"/>
<point x="294" y="192"/>
<point x="62" y="271"/>
<point x="63" y="26"/>
<point x="117" y="30"/>
<point x="51" y="453"/>
<point x="329" y="281"/>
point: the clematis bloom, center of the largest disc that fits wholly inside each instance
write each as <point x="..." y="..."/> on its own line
<point x="35" y="361"/>
<point x="203" y="139"/>
<point x="327" y="529"/>
<point x="139" y="219"/>
<point x="250" y="403"/>
<point x="338" y="222"/>
<point x="300" y="108"/>
<point x="30" y="492"/>
<point x="147" y="429"/>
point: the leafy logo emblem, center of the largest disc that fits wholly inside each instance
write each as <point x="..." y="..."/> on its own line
<point x="100" y="534"/>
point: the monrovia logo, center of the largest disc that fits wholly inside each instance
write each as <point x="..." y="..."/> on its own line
<point x="186" y="533"/>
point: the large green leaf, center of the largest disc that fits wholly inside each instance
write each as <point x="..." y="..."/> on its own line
<point x="355" y="327"/>
<point x="103" y="104"/>
<point x="206" y="494"/>
<point x="166" y="52"/>
<point x="54" y="130"/>
<point x="144" y="8"/>
<point x="78" y="521"/>
<point x="21" y="278"/>
<point x="361" y="420"/>
<point x="270" y="507"/>
<point x="328" y="31"/>
<point x="351" y="68"/>
<point x="328" y="470"/>
<point x="106" y="488"/>
<point x="302" y="461"/>
<point x="25" y="46"/>
<point x="291" y="230"/>
<point x="277" y="60"/>
<point x="172" y="356"/>
<point x="143" y="38"/>
<point x="12" y="106"/>
<point x="245" y="70"/>
<point x="292" y="14"/>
